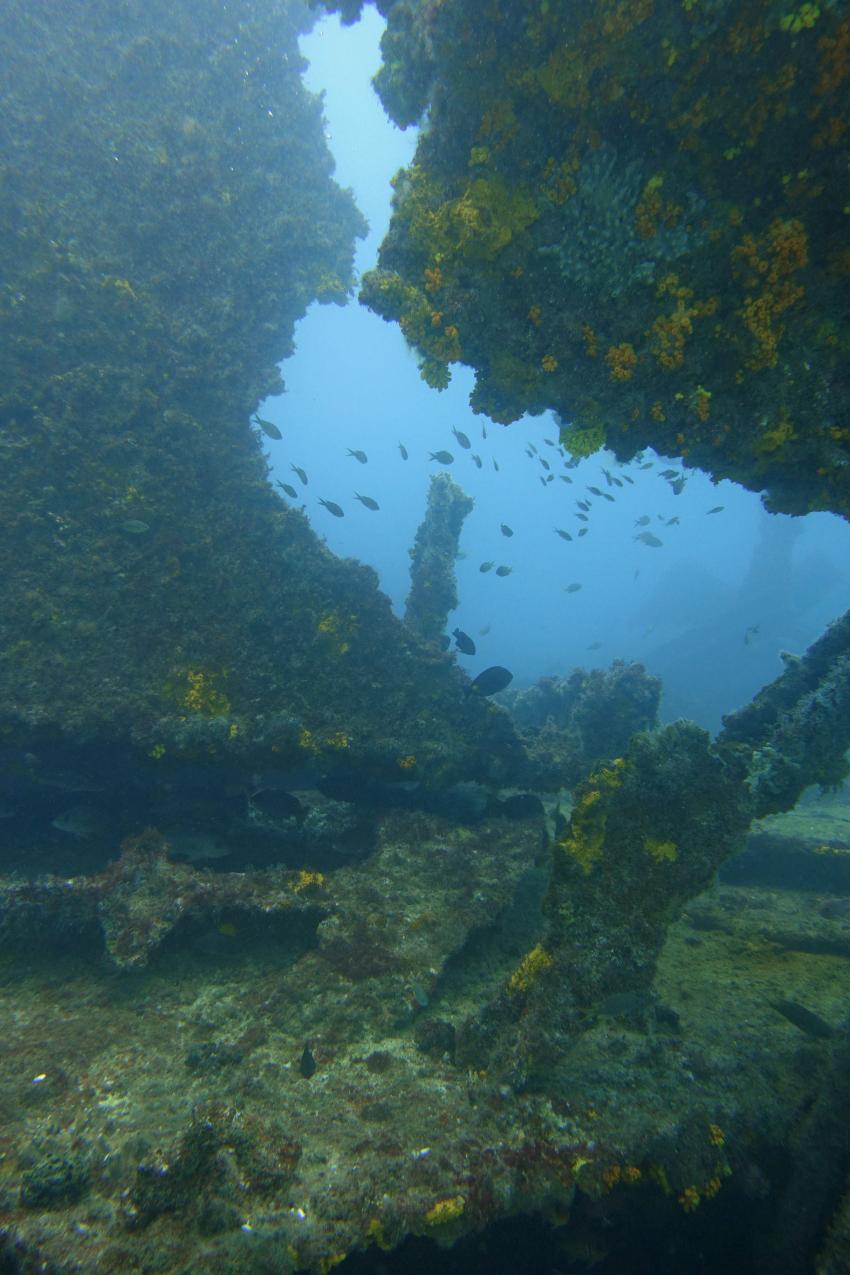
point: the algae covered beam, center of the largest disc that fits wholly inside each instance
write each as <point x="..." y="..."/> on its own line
<point x="433" y="592"/>
<point x="796" y="731"/>
<point x="140" y="898"/>
<point x="648" y="830"/>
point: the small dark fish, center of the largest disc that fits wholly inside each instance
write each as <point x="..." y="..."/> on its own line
<point x="550" y="442"/>
<point x="584" y="504"/>
<point x="647" y="538"/>
<point x="268" y="427"/>
<point x="595" y="646"/>
<point x="565" y="535"/>
<point x="307" y="1063"/>
<point x="649" y="464"/>
<point x="367" y="501"/>
<point x="66" y="780"/>
<point x="630" y="481"/>
<point x="544" y="462"/>
<point x="486" y="566"/>
<point x="462" y="439"/>
<point x="565" y="478"/>
<point x="504" y="571"/>
<point x="296" y="469"/>
<point x="542" y="480"/>
<point x="463" y="642"/>
<point x="289" y="489"/>
<point x="333" y="508"/>
<point x="582" y="517"/>
<point x="495" y="465"/>
<point x="520" y="805"/>
<point x="276" y="803"/>
<point x="135" y="527"/>
<point x="666" y="473"/>
<point x="506" y="530"/>
<point x="444" y="458"/>
<point x="82" y="822"/>
<point x="673" y="522"/>
<point x="420" y="995"/>
<point x="477" y="460"/>
<point x="529" y="453"/>
<point x="678" y="486"/>
<point x="607" y="496"/>
<point x="492" y="680"/>
<point x="619" y="1004"/>
<point x="583" y="531"/>
<point x="483" y="431"/>
<point x="834" y="909"/>
<point x="808" y="1022"/>
<point x="752" y="631"/>
<point x="594" y="491"/>
<point x="643" y="521"/>
<point x="572" y="588"/>
<point x="359" y="456"/>
<point x="718" y="509"/>
<point x="550" y="478"/>
<point x="403" y="450"/>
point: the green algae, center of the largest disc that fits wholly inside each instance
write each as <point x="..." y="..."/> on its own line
<point x="157" y="253"/>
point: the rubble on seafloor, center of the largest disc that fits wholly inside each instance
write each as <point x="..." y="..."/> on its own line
<point x="163" y="1118"/>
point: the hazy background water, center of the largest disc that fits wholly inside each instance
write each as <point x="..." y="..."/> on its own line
<point x="709" y="611"/>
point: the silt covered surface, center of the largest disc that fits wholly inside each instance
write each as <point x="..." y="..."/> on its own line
<point x="275" y="1092"/>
